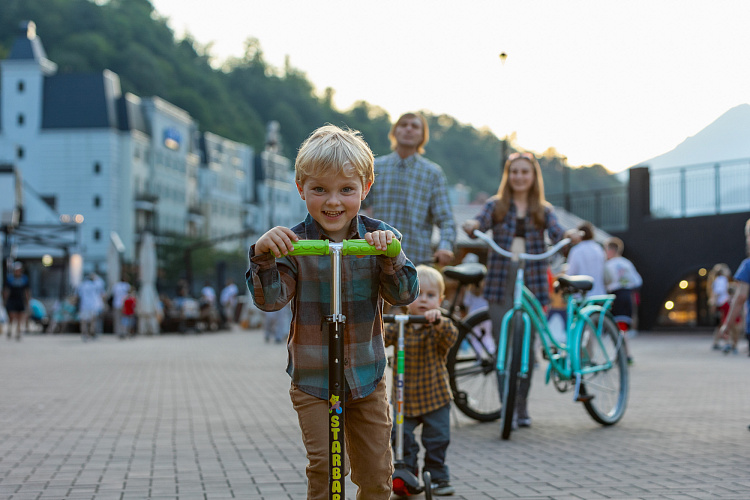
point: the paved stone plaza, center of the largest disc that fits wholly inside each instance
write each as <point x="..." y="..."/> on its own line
<point x="208" y="417"/>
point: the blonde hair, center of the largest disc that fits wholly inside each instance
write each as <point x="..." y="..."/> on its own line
<point x="425" y="131"/>
<point x="537" y="202"/>
<point x="332" y="151"/>
<point x="616" y="244"/>
<point x="431" y="276"/>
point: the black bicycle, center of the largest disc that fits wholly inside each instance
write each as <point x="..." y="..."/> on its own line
<point x="472" y="359"/>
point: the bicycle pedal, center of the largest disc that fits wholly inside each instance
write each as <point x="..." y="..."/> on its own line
<point x="584" y="398"/>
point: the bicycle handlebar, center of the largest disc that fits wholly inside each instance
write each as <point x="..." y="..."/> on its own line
<point x="523" y="256"/>
<point x="349" y="247"/>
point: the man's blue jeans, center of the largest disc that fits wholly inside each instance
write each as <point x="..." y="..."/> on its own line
<point x="436" y="436"/>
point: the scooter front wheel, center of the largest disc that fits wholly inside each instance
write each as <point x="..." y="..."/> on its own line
<point x="427" y="480"/>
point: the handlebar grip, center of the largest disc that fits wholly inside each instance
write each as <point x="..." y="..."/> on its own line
<point x="391" y="318"/>
<point x="361" y="247"/>
<point x="310" y="247"/>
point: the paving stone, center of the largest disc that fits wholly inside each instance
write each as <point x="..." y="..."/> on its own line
<point x="203" y="417"/>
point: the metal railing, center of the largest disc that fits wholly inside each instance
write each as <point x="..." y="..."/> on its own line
<point x="701" y="189"/>
<point x="605" y="208"/>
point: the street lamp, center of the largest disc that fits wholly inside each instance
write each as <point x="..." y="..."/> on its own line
<point x="504" y="140"/>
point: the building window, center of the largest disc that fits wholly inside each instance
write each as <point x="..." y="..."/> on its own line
<point x="20" y="118"/>
<point x="19" y="152"/>
<point x="97" y="201"/>
<point x="97" y="235"/>
<point x="20" y="86"/>
<point x="97" y="167"/>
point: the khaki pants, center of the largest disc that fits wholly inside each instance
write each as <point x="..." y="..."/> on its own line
<point x="367" y="435"/>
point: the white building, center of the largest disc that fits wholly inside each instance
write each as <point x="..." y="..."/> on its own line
<point x="120" y="163"/>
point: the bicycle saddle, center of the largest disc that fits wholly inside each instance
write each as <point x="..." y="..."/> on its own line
<point x="575" y="283"/>
<point x="468" y="274"/>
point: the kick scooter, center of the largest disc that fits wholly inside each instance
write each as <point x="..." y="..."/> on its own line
<point x="405" y="483"/>
<point x="336" y="321"/>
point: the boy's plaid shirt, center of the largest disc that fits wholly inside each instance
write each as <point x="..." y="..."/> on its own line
<point x="412" y="194"/>
<point x="535" y="272"/>
<point x="306" y="281"/>
<point x="426" y="387"/>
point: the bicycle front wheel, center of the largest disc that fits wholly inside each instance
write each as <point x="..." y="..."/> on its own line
<point x="471" y="369"/>
<point x="605" y="389"/>
<point x="513" y="355"/>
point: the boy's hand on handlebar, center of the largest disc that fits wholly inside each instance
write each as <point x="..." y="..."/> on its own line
<point x="469" y="226"/>
<point x="278" y="240"/>
<point x="433" y="315"/>
<point x="379" y="239"/>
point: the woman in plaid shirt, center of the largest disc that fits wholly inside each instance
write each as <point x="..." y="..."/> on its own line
<point x="518" y="216"/>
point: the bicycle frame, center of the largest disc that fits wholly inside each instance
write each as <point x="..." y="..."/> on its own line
<point x="566" y="360"/>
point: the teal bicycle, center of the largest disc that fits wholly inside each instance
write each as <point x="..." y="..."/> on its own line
<point x="591" y="360"/>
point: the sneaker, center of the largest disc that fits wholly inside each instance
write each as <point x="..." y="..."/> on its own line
<point x="716" y="347"/>
<point x="443" y="488"/>
<point x="523" y="421"/>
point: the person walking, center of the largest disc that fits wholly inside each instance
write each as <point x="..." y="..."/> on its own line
<point x="16" y="297"/>
<point x="90" y="305"/>
<point x="588" y="258"/>
<point x="412" y="193"/>
<point x="740" y="295"/>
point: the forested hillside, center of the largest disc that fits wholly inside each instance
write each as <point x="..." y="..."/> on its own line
<point x="236" y="101"/>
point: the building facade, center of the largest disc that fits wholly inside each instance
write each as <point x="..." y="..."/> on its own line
<point x="119" y="163"/>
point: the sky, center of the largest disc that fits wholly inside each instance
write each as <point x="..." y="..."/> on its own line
<point x="601" y="81"/>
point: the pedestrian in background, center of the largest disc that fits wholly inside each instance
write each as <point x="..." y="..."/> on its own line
<point x="588" y="258"/>
<point x="622" y="280"/>
<point x="119" y="291"/>
<point x="90" y="305"/>
<point x="228" y="300"/>
<point x="740" y="295"/>
<point x="16" y="297"/>
<point x="411" y="193"/>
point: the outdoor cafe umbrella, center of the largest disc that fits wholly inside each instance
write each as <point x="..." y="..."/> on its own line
<point x="147" y="304"/>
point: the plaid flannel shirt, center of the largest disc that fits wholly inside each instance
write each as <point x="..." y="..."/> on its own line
<point x="412" y="195"/>
<point x="426" y="349"/>
<point x="535" y="272"/>
<point x="306" y="281"/>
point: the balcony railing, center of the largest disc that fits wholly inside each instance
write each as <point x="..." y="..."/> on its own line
<point x="702" y="189"/>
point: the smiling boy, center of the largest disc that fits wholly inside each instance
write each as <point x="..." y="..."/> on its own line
<point x="333" y="174"/>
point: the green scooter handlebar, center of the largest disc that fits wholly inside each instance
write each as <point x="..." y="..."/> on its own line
<point x="349" y="247"/>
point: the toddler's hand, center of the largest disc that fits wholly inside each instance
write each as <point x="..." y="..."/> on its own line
<point x="380" y="239"/>
<point x="278" y="240"/>
<point x="433" y="315"/>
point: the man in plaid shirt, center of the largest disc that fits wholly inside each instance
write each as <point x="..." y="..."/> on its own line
<point x="411" y="193"/>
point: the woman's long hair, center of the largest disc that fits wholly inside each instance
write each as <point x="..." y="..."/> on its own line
<point x="537" y="202"/>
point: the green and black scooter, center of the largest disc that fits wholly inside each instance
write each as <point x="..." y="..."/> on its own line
<point x="405" y="483"/>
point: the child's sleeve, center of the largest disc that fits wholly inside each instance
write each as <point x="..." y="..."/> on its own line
<point x="390" y="334"/>
<point x="271" y="282"/>
<point x="446" y="334"/>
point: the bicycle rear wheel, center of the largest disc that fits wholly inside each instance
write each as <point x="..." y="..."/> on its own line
<point x="471" y="369"/>
<point x="605" y="392"/>
<point x="513" y="355"/>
